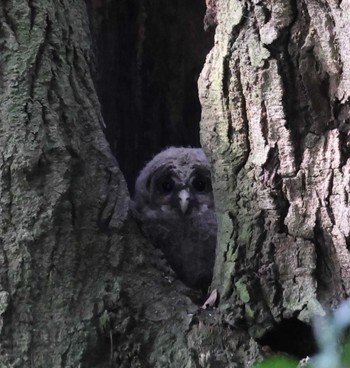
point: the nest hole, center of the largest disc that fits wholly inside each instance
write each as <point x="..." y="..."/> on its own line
<point x="291" y="336"/>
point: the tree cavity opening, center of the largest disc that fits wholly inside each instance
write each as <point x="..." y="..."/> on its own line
<point x="291" y="336"/>
<point x="149" y="57"/>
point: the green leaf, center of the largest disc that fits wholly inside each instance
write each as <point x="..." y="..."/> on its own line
<point x="346" y="354"/>
<point x="277" y="362"/>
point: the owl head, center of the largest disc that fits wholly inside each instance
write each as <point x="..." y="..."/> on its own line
<point x="176" y="180"/>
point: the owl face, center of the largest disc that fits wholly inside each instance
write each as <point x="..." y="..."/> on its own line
<point x="180" y="190"/>
<point x="174" y="204"/>
<point x="176" y="180"/>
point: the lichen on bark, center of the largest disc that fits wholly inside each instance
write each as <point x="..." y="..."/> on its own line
<point x="269" y="124"/>
<point x="77" y="287"/>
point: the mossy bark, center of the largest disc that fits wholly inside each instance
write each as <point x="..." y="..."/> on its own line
<point x="275" y="121"/>
<point x="77" y="284"/>
<point x="63" y="199"/>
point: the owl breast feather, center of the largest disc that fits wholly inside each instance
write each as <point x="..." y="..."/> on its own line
<point x="188" y="244"/>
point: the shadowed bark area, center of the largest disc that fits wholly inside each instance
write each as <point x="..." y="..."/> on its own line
<point x="275" y="121"/>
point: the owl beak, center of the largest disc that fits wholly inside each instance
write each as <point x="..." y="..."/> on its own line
<point x="184" y="197"/>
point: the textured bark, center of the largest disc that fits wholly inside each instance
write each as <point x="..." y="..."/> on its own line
<point x="77" y="285"/>
<point x="275" y="121"/>
<point x="77" y="288"/>
<point x="63" y="199"/>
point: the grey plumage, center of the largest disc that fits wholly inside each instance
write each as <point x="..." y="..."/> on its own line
<point x="174" y="203"/>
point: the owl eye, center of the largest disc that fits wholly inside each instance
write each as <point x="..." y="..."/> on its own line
<point x="167" y="186"/>
<point x="200" y="185"/>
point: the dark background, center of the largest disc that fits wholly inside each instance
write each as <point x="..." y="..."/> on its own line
<point x="148" y="56"/>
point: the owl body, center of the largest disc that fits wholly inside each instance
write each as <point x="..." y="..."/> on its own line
<point x="174" y="203"/>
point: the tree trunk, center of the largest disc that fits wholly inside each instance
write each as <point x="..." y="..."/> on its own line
<point x="63" y="199"/>
<point x="275" y="122"/>
<point x="78" y="286"/>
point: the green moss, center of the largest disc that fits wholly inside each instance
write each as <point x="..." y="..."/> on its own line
<point x="249" y="312"/>
<point x="242" y="291"/>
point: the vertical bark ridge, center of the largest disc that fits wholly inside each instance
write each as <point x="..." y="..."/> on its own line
<point x="283" y="217"/>
<point x="56" y="175"/>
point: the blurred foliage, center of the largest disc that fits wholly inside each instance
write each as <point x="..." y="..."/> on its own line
<point x="277" y="362"/>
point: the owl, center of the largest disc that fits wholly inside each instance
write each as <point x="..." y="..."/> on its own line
<point x="174" y="203"/>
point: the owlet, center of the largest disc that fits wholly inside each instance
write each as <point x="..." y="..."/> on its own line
<point x="174" y="203"/>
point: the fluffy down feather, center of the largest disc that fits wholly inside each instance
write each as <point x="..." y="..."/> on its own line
<point x="174" y="203"/>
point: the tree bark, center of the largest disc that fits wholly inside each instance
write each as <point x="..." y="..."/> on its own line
<point x="275" y="121"/>
<point x="78" y="286"/>
<point x="63" y="199"/>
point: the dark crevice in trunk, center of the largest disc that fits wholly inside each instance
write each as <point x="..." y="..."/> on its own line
<point x="291" y="336"/>
<point x="148" y="61"/>
<point x="327" y="269"/>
